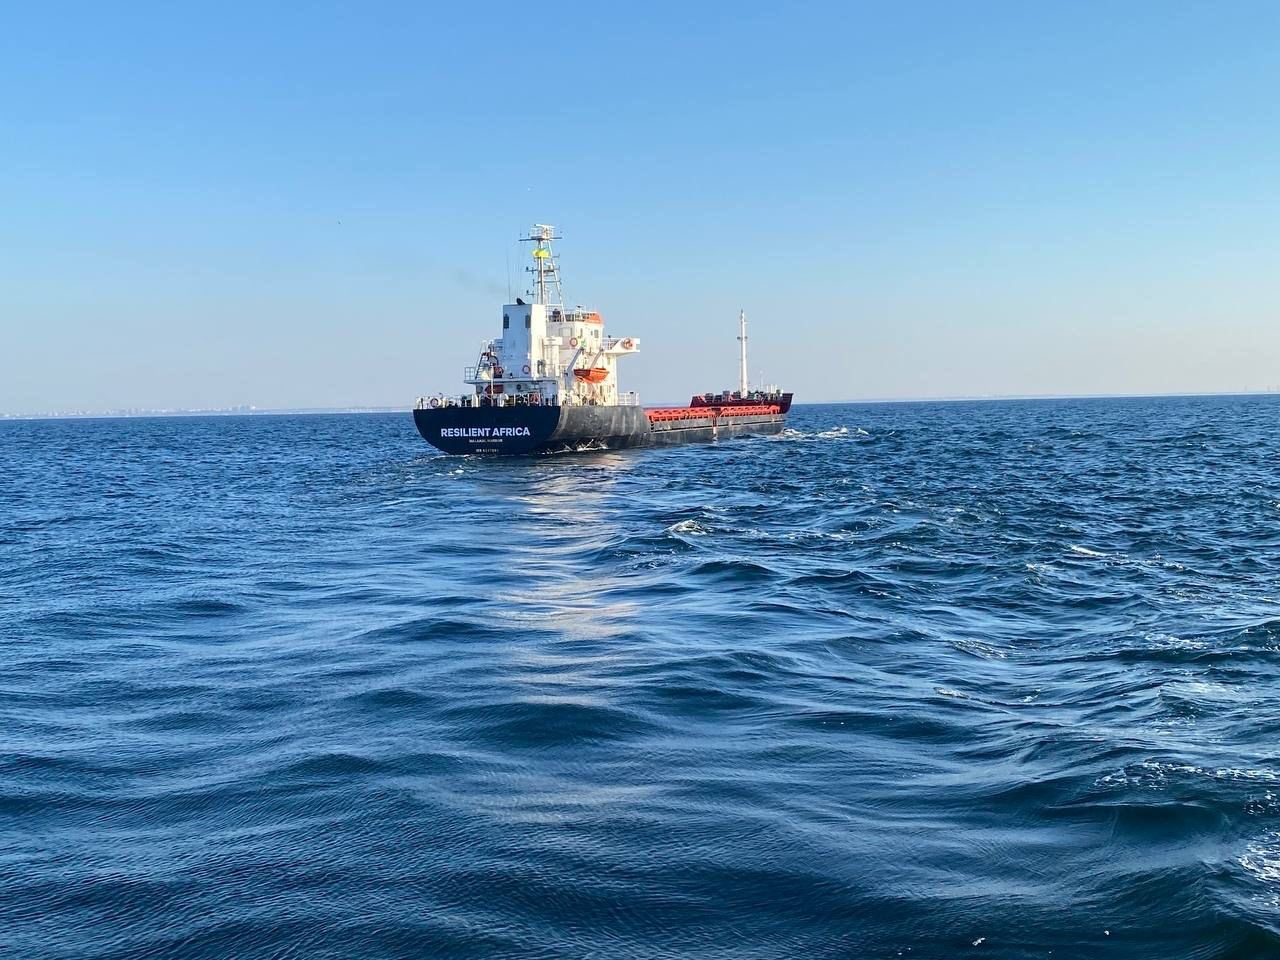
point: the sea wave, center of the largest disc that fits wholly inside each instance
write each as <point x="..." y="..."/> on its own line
<point x="908" y="680"/>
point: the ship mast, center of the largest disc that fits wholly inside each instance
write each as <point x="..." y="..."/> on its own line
<point x="546" y="266"/>
<point x="742" y="352"/>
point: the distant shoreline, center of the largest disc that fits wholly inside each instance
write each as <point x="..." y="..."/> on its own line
<point x="340" y="411"/>
<point x="181" y="414"/>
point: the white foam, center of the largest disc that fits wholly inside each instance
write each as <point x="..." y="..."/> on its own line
<point x="1167" y="641"/>
<point x="980" y="649"/>
<point x="691" y="527"/>
<point x="1156" y="773"/>
<point x="832" y="434"/>
<point x="1203" y="690"/>
<point x="1086" y="552"/>
<point x="1261" y="860"/>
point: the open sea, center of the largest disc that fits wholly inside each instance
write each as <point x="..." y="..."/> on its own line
<point x="935" y="680"/>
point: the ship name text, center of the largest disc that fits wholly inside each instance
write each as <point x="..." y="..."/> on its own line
<point x="484" y="432"/>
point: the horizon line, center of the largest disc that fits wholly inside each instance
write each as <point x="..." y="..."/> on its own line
<point x="248" y="410"/>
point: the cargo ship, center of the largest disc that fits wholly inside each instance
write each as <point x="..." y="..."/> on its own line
<point x="549" y="384"/>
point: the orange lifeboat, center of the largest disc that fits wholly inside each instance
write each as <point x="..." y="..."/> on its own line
<point x="591" y="374"/>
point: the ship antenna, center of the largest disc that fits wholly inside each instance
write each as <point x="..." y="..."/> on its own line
<point x="546" y="267"/>
<point x="742" y="352"/>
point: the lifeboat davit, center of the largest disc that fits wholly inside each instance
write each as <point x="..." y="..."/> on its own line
<point x="592" y="374"/>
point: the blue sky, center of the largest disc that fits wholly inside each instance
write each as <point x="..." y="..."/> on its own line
<point x="314" y="204"/>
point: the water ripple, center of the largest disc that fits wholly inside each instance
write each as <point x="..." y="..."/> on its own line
<point x="916" y="680"/>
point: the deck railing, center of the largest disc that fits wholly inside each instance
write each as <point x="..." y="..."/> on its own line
<point x="629" y="399"/>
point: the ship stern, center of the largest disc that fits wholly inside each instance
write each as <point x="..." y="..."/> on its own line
<point x="487" y="430"/>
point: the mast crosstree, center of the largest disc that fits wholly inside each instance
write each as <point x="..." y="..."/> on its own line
<point x="546" y="265"/>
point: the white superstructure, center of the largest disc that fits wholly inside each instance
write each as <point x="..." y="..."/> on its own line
<point x="549" y="353"/>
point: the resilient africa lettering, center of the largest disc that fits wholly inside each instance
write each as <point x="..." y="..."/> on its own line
<point x="484" y="432"/>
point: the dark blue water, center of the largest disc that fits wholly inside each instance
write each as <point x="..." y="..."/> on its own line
<point x="926" y="681"/>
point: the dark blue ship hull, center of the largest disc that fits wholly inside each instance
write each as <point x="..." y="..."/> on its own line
<point x="549" y="429"/>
